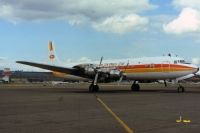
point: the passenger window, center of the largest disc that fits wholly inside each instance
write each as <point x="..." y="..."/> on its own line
<point x="175" y="62"/>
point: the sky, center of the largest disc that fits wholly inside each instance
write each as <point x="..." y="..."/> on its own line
<point x="85" y="30"/>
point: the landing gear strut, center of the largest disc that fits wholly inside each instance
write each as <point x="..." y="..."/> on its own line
<point x="135" y="87"/>
<point x="93" y="88"/>
<point x="181" y="89"/>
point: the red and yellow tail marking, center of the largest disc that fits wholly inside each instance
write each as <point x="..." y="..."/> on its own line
<point x="51" y="51"/>
<point x="50" y="46"/>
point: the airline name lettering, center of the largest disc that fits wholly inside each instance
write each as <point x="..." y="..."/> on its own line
<point x="112" y="64"/>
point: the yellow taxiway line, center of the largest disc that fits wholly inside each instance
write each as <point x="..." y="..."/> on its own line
<point x="122" y="123"/>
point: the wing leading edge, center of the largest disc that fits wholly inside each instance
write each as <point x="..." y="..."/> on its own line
<point x="72" y="71"/>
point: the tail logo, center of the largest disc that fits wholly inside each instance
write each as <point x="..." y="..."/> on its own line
<point x="51" y="57"/>
<point x="51" y="51"/>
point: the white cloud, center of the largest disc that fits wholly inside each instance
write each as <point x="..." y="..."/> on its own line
<point x="118" y="24"/>
<point x="6" y="63"/>
<point x="6" y="11"/>
<point x="74" y="11"/>
<point x="2" y="59"/>
<point x="72" y="62"/>
<point x="187" y="3"/>
<point x="187" y="21"/>
<point x="84" y="60"/>
<point x="196" y="61"/>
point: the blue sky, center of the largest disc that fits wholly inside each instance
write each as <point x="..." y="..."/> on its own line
<point x="113" y="29"/>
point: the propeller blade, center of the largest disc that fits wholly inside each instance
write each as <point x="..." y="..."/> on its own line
<point x="101" y="60"/>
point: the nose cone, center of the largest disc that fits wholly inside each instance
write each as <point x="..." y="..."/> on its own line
<point x="196" y="69"/>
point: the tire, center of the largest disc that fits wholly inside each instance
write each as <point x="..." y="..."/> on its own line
<point x="181" y="89"/>
<point x="135" y="87"/>
<point x="96" y="88"/>
<point x="93" y="88"/>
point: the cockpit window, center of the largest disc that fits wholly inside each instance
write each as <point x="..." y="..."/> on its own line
<point x="182" y="61"/>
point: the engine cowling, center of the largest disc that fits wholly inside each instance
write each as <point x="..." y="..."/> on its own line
<point x="110" y="74"/>
<point x="114" y="73"/>
<point x="87" y="69"/>
<point x="105" y="74"/>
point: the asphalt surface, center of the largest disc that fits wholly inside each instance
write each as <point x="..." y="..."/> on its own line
<point x="70" y="108"/>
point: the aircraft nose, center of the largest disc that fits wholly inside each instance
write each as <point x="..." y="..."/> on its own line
<point x="196" y="69"/>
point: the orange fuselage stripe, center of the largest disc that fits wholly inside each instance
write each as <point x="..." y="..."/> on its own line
<point x="154" y="68"/>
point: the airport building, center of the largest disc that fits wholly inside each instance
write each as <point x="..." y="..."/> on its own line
<point x="5" y="75"/>
<point x="34" y="76"/>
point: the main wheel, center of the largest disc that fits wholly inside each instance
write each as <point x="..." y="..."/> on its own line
<point x="96" y="88"/>
<point x="93" y="88"/>
<point x="135" y="87"/>
<point x="181" y="89"/>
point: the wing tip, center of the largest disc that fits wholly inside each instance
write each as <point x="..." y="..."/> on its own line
<point x="20" y="61"/>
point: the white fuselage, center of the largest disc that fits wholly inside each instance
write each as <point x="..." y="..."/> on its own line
<point x="151" y="68"/>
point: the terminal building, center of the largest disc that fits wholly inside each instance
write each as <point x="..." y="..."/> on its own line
<point x="7" y="76"/>
<point x="34" y="76"/>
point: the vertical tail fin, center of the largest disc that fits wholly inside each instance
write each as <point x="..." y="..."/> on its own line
<point x="51" y="52"/>
<point x="52" y="57"/>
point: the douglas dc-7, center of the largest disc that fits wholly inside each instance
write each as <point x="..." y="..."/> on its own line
<point x="165" y="68"/>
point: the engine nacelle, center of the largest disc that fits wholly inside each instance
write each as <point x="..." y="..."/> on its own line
<point x="115" y="74"/>
<point x="89" y="70"/>
<point x="105" y="73"/>
<point x="110" y="74"/>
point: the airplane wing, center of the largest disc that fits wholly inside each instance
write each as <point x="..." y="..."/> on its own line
<point x="72" y="71"/>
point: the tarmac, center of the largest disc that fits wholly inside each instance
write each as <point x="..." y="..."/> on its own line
<point x="70" y="108"/>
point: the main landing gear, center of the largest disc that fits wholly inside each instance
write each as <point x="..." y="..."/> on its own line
<point x="180" y="89"/>
<point x="135" y="87"/>
<point x="93" y="88"/>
